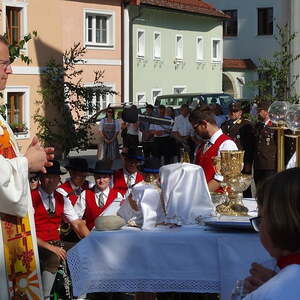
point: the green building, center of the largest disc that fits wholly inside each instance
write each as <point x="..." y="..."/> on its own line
<point x="171" y="47"/>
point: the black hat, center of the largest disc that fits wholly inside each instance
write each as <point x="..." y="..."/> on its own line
<point x="263" y="105"/>
<point x="151" y="165"/>
<point x="55" y="169"/>
<point x="102" y="167"/>
<point x="134" y="153"/>
<point x="78" y="164"/>
<point x="130" y="115"/>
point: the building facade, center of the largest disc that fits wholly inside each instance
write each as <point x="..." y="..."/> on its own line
<point x="172" y="49"/>
<point x="249" y="36"/>
<point x="60" y="24"/>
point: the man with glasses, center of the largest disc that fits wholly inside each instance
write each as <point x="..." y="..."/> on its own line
<point x="17" y="224"/>
<point x="204" y="124"/>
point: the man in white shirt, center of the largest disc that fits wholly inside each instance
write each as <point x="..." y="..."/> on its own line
<point x="183" y="131"/>
<point x="101" y="200"/>
<point x="204" y="124"/>
<point x="50" y="208"/>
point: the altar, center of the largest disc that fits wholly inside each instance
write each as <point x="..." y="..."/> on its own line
<point x="190" y="258"/>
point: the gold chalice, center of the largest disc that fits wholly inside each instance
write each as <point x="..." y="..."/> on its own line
<point x="230" y="165"/>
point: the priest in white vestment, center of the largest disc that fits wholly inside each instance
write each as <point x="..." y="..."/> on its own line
<point x="19" y="268"/>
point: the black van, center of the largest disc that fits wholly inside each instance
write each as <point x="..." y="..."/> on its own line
<point x="195" y="99"/>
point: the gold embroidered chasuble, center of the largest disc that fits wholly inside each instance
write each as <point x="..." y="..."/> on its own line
<point x="18" y="248"/>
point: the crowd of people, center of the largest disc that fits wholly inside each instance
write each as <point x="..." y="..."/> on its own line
<point x="252" y="133"/>
<point x="39" y="224"/>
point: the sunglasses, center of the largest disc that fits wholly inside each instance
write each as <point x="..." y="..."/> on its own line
<point x="33" y="179"/>
<point x="255" y="223"/>
<point x="110" y="111"/>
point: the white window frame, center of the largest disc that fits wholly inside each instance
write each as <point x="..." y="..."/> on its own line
<point x="220" y="50"/>
<point x="24" y="19"/>
<point x="178" y="55"/>
<point x="159" y="90"/>
<point x="111" y="97"/>
<point x="156" y="46"/>
<point x="26" y="105"/>
<point x="143" y="94"/>
<point x="179" y="87"/>
<point x="140" y="45"/>
<point x="110" y="44"/>
<point x="199" y="48"/>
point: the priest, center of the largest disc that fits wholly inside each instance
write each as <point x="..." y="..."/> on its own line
<point x="19" y="266"/>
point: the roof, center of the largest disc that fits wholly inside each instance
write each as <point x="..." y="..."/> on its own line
<point x="193" y="6"/>
<point x="241" y="64"/>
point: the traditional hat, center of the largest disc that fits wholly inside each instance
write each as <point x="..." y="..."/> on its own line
<point x="102" y="167"/>
<point x="78" y="164"/>
<point x="263" y="105"/>
<point x="235" y="106"/>
<point x="130" y="114"/>
<point x="151" y="165"/>
<point x="55" y="169"/>
<point x="134" y="153"/>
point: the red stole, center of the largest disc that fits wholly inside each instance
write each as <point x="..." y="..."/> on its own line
<point x="71" y="193"/>
<point x="119" y="181"/>
<point x="47" y="225"/>
<point x="291" y="259"/>
<point x="205" y="159"/>
<point x="92" y="210"/>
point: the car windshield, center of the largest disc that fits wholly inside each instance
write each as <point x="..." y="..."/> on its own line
<point x="171" y="101"/>
<point x="223" y="100"/>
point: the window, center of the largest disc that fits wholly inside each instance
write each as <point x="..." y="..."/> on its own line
<point x="156" y="93"/>
<point x="265" y="21"/>
<point x="157" y="46"/>
<point x="15" y="112"/>
<point x="15" y="21"/>
<point x="230" y="26"/>
<point x="179" y="47"/>
<point x="216" y="50"/>
<point x="141" y="98"/>
<point x="199" y="48"/>
<point x="13" y="24"/>
<point x="179" y="89"/>
<point x="140" y="43"/>
<point x="99" y="28"/>
<point x="17" y="109"/>
<point x="98" y="101"/>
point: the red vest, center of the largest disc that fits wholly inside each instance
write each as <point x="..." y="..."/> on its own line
<point x="46" y="225"/>
<point x="92" y="210"/>
<point x="205" y="159"/>
<point x="71" y="193"/>
<point x="119" y="181"/>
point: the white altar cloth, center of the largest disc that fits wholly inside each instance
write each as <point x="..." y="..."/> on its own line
<point x="185" y="259"/>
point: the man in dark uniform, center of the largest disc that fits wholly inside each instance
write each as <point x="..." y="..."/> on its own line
<point x="241" y="132"/>
<point x="265" y="145"/>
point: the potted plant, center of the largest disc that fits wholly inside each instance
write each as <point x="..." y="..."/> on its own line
<point x="18" y="127"/>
